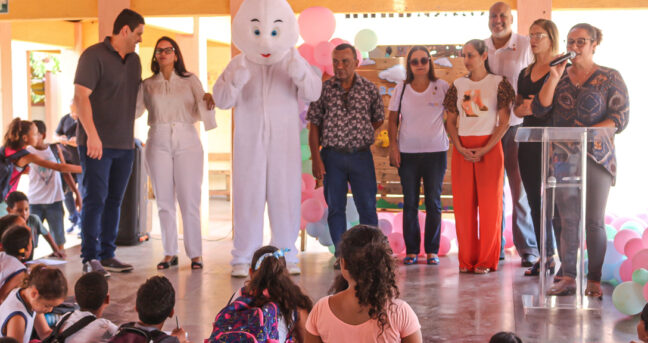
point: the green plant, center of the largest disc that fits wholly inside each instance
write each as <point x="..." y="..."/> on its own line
<point x="40" y="64"/>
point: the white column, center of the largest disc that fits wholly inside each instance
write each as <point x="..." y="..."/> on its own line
<point x="6" y="94"/>
<point x="107" y="11"/>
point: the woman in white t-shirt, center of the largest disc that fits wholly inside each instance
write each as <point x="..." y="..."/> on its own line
<point x="478" y="108"/>
<point x="418" y="149"/>
<point x="175" y="100"/>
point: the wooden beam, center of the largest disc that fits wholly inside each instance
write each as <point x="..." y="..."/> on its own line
<point x="87" y="9"/>
<point x="529" y="11"/>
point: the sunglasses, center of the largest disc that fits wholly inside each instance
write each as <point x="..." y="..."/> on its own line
<point x="423" y="61"/>
<point x="537" y="36"/>
<point x="167" y="51"/>
<point x="580" y="42"/>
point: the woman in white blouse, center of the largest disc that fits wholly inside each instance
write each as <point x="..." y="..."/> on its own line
<point x="418" y="150"/>
<point x="175" y="100"/>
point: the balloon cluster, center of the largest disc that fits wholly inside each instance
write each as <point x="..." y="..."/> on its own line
<point x="391" y="224"/>
<point x="314" y="212"/>
<point x="626" y="261"/>
<point x="316" y="27"/>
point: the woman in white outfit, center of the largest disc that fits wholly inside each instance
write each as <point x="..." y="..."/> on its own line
<point x="175" y="100"/>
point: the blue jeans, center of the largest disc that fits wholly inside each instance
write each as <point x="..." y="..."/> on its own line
<point x="53" y="214"/>
<point x="431" y="167"/>
<point x="342" y="169"/>
<point x="104" y="183"/>
<point x="523" y="233"/>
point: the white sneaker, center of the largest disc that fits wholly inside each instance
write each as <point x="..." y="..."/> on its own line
<point x="240" y="270"/>
<point x="293" y="269"/>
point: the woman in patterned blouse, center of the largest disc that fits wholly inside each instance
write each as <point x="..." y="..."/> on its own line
<point x="586" y="95"/>
<point x="478" y="108"/>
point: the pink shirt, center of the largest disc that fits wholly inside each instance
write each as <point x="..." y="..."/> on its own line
<point x="323" y="323"/>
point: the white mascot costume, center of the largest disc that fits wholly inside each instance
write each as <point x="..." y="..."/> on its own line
<point x="263" y="84"/>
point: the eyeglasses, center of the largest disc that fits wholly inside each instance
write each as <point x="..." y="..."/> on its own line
<point x="167" y="51"/>
<point x="422" y="60"/>
<point x="580" y="42"/>
<point x="537" y="36"/>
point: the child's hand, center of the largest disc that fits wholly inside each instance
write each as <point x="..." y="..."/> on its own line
<point x="59" y="254"/>
<point x="180" y="334"/>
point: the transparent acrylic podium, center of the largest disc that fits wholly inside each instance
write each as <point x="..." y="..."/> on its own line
<point x="563" y="194"/>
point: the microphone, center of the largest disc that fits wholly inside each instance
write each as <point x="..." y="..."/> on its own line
<point x="560" y="59"/>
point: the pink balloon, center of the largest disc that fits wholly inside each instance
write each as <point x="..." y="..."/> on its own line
<point x="508" y="236"/>
<point x="316" y="24"/>
<point x="633" y="246"/>
<point x="338" y="41"/>
<point x="312" y="211"/>
<point x="329" y="70"/>
<point x="448" y="229"/>
<point x="640" y="260"/>
<point x="609" y="218"/>
<point x="645" y="291"/>
<point x="322" y="53"/>
<point x="626" y="270"/>
<point x="618" y="222"/>
<point x="302" y="224"/>
<point x="305" y="195"/>
<point x="319" y="195"/>
<point x="444" y="246"/>
<point x="397" y="243"/>
<point x="622" y="237"/>
<point x="421" y="219"/>
<point x="645" y="239"/>
<point x="309" y="181"/>
<point x="306" y="50"/>
<point x="397" y="222"/>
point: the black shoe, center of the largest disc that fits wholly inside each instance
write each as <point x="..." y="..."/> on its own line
<point x="94" y="266"/>
<point x="165" y="265"/>
<point x="114" y="265"/>
<point x="529" y="260"/>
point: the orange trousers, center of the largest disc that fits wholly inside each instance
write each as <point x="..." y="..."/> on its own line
<point x="477" y="188"/>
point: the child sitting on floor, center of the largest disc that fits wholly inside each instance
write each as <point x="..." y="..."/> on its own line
<point x="270" y="289"/>
<point x="24" y="308"/>
<point x="8" y="221"/>
<point x="17" y="240"/>
<point x="91" y="293"/>
<point x="365" y="306"/>
<point x="17" y="203"/>
<point x="642" y="327"/>
<point x="154" y="304"/>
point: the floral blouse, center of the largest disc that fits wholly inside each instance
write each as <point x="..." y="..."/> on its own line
<point x="603" y="96"/>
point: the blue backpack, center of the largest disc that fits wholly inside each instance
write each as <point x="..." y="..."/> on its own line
<point x="240" y="322"/>
<point x="6" y="169"/>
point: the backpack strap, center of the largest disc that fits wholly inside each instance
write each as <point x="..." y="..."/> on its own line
<point x="400" y="103"/>
<point x="58" y="325"/>
<point x="76" y="327"/>
<point x="151" y="336"/>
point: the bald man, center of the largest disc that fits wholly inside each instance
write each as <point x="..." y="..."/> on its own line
<point x="508" y="54"/>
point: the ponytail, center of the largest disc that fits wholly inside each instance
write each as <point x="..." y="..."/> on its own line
<point x="481" y="48"/>
<point x="48" y="281"/>
<point x="270" y="282"/>
<point x="17" y="129"/>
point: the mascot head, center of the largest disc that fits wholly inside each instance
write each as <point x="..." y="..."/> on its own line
<point x="265" y="30"/>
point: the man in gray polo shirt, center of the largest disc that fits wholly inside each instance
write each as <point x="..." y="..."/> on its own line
<point x="106" y="84"/>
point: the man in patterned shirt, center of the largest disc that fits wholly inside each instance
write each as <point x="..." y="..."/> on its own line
<point x="343" y="122"/>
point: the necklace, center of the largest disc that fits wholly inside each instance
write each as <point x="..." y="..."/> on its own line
<point x="579" y="81"/>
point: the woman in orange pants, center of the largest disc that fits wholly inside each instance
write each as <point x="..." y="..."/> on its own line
<point x="478" y="108"/>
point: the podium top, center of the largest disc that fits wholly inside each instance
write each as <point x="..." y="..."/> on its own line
<point x="562" y="134"/>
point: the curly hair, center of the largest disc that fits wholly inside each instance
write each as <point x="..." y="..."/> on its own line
<point x="272" y="276"/>
<point x="15" y="241"/>
<point x="368" y="259"/>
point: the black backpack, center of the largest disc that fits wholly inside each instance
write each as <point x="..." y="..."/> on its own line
<point x="128" y="333"/>
<point x="6" y="169"/>
<point x="59" y="337"/>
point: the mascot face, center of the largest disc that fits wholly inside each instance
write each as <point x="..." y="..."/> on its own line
<point x="265" y="30"/>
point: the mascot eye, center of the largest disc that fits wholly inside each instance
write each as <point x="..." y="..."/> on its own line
<point x="274" y="33"/>
<point x="257" y="32"/>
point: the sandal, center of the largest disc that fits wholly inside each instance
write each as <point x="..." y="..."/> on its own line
<point x="566" y="286"/>
<point x="410" y="260"/>
<point x="433" y="260"/>
<point x="196" y="265"/>
<point x="482" y="270"/>
<point x="464" y="270"/>
<point x="594" y="289"/>
<point x="166" y="264"/>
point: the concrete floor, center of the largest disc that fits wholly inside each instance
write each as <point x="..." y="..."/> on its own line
<point x="451" y="307"/>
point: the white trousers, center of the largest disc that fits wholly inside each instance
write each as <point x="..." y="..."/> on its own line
<point x="174" y="160"/>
